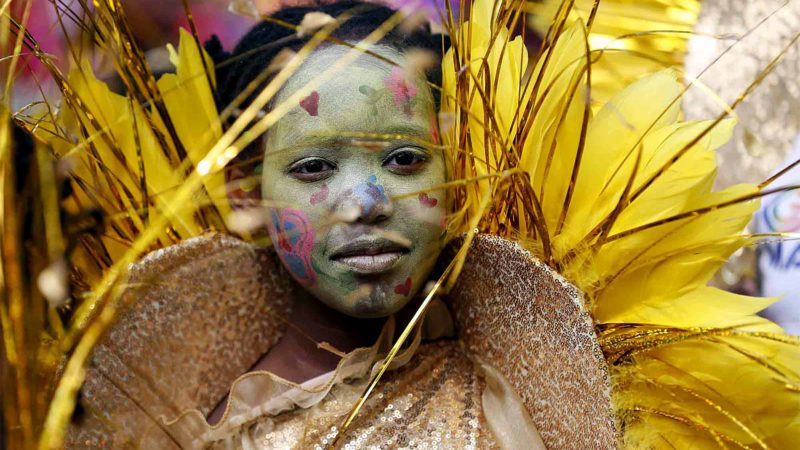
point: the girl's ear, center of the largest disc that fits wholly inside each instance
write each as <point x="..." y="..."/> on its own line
<point x="243" y="185"/>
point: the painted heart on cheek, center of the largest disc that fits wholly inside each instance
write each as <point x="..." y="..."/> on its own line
<point x="311" y="103"/>
<point x="428" y="202"/>
<point x="321" y="195"/>
<point x="403" y="289"/>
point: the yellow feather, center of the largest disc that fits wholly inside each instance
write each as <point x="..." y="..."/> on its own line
<point x="706" y="367"/>
<point x="703" y="307"/>
<point x="124" y="143"/>
<point x="190" y="103"/>
<point x="729" y="384"/>
<point x="611" y="148"/>
<point x="691" y="176"/>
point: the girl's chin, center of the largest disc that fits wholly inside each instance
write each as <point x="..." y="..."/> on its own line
<point x="368" y="307"/>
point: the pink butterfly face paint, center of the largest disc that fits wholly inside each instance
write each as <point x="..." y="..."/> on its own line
<point x="349" y="222"/>
<point x="293" y="235"/>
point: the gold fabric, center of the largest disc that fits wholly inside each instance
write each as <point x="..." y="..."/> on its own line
<point x="527" y="321"/>
<point x="433" y="402"/>
<point x="161" y="356"/>
<point x="199" y="314"/>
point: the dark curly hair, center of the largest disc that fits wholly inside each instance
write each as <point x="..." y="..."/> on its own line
<point x="256" y="49"/>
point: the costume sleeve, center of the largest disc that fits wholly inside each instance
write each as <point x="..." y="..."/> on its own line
<point x="520" y="317"/>
<point x="194" y="317"/>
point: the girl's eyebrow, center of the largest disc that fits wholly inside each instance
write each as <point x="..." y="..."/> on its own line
<point x="315" y="140"/>
<point x="406" y="130"/>
<point x="401" y="131"/>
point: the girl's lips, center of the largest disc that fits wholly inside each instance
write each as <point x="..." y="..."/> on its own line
<point x="371" y="264"/>
<point x="369" y="255"/>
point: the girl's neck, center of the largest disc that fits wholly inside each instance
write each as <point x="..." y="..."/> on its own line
<point x="300" y="354"/>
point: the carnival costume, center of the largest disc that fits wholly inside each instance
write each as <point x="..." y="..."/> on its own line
<point x="583" y="239"/>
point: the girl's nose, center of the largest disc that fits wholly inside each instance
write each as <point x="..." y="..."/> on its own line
<point x="370" y="200"/>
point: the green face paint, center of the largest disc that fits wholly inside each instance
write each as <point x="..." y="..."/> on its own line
<point x="354" y="229"/>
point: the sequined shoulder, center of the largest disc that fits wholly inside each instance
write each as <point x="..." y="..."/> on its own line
<point x="194" y="317"/>
<point x="527" y="321"/>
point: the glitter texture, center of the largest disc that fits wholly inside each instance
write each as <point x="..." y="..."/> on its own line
<point x="208" y="308"/>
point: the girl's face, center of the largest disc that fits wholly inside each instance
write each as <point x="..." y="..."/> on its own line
<point x="348" y="172"/>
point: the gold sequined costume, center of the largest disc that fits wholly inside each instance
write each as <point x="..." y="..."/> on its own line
<point x="207" y="311"/>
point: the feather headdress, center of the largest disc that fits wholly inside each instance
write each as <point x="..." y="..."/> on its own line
<point x="620" y="201"/>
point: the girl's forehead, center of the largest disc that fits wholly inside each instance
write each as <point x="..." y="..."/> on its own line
<point x="366" y="69"/>
<point x="368" y="95"/>
<point x="380" y="57"/>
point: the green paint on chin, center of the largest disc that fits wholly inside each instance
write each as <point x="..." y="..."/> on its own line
<point x="348" y="283"/>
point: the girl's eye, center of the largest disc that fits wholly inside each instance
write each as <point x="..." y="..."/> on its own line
<point x="405" y="161"/>
<point x="312" y="169"/>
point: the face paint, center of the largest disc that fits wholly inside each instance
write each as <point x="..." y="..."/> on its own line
<point x="368" y="260"/>
<point x="403" y="289"/>
<point x="403" y="91"/>
<point x="311" y="104"/>
<point x="291" y="230"/>
<point x="427" y="202"/>
<point x="370" y="195"/>
<point x="435" y="138"/>
<point x="366" y="90"/>
<point x="320" y="196"/>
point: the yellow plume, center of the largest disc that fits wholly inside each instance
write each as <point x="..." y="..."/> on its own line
<point x="619" y="199"/>
<point x="125" y="162"/>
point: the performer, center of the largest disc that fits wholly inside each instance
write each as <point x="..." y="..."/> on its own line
<point x="351" y="174"/>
